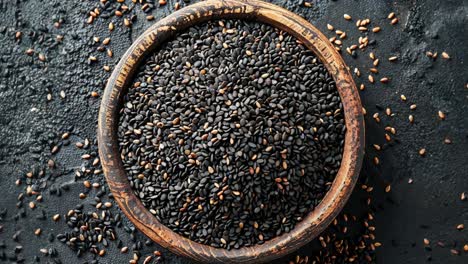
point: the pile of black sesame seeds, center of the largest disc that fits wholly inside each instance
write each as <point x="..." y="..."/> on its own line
<point x="231" y="133"/>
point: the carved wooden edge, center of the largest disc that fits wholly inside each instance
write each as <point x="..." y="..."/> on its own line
<point x="160" y="32"/>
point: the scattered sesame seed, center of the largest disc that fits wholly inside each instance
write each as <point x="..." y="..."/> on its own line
<point x="441" y="115"/>
<point x="426" y="242"/>
<point x="384" y="80"/>
<point x="422" y="152"/>
<point x="42" y="57"/>
<point x="445" y="55"/>
<point x="388" y="188"/>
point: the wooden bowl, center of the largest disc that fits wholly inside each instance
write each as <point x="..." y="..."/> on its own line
<point x="317" y="220"/>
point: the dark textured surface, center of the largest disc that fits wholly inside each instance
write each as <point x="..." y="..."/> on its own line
<point x="428" y="208"/>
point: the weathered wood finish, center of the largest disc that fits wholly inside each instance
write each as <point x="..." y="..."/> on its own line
<point x="160" y="32"/>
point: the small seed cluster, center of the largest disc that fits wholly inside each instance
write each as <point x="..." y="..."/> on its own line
<point x="89" y="230"/>
<point x="231" y="133"/>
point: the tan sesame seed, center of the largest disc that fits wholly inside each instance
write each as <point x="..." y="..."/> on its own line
<point x="376" y="161"/>
<point x="330" y="27"/>
<point x="393" y="58"/>
<point x="376" y="62"/>
<point x="87" y="184"/>
<point x="394" y="21"/>
<point x="391" y="15"/>
<point x="422" y="152"/>
<point x="56" y="217"/>
<point x="357" y="72"/>
<point x="388" y="111"/>
<point x="29" y="51"/>
<point x="127" y="22"/>
<point x="347" y="17"/>
<point x="441" y="115"/>
<point x="445" y="55"/>
<point x="111" y="26"/>
<point x="388" y="188"/>
<point x="371" y="78"/>
<point x="42" y="57"/>
<point x="384" y="80"/>
<point x="376" y="29"/>
<point x="211" y="170"/>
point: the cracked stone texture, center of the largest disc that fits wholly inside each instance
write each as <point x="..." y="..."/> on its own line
<point x="430" y="207"/>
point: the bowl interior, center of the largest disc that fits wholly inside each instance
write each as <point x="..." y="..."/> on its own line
<point x="317" y="220"/>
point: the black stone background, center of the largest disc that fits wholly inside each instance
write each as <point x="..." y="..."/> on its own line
<point x="429" y="208"/>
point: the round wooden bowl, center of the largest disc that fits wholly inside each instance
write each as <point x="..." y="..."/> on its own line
<point x="317" y="220"/>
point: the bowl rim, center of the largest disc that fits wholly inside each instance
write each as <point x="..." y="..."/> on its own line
<point x="318" y="219"/>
